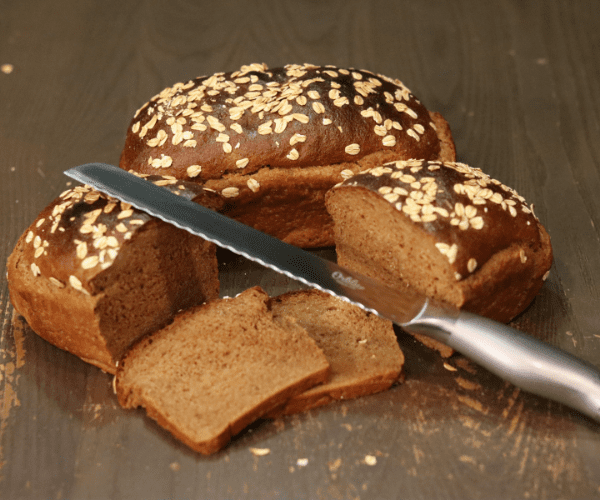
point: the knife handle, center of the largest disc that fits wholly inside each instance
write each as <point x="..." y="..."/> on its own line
<point x="526" y="362"/>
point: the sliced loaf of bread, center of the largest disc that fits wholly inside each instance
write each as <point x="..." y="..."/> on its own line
<point x="361" y="348"/>
<point x="218" y="367"/>
<point x="91" y="275"/>
<point x="448" y="230"/>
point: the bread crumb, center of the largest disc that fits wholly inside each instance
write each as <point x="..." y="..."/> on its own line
<point x="260" y="452"/>
<point x="370" y="460"/>
<point x="449" y="367"/>
<point x="7" y="69"/>
<point x="302" y="462"/>
<point x="466" y="384"/>
<point x="334" y="464"/>
<point x="466" y="365"/>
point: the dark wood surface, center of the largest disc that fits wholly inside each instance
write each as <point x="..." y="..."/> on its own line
<point x="519" y="83"/>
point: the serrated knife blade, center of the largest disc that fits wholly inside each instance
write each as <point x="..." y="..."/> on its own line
<point x="526" y="362"/>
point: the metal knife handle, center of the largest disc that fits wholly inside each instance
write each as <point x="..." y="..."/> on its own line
<point x="526" y="362"/>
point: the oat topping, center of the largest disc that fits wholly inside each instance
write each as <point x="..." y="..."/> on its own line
<point x="89" y="228"/>
<point x="194" y="170"/>
<point x="242" y="162"/>
<point x="293" y="154"/>
<point x="230" y="192"/>
<point x="280" y="105"/>
<point x="253" y="184"/>
<point x="352" y="149"/>
<point x="346" y="174"/>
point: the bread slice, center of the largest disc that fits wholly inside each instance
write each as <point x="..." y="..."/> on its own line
<point x="217" y="368"/>
<point x="361" y="348"/>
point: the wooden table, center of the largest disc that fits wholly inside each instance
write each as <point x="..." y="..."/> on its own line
<point x="519" y="83"/>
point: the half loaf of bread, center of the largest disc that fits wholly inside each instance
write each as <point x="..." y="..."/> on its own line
<point x="91" y="275"/>
<point x="272" y="141"/>
<point x="361" y="348"/>
<point x="218" y="367"/>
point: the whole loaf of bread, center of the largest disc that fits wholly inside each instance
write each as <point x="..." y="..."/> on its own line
<point x="273" y="141"/>
<point x="91" y="275"/>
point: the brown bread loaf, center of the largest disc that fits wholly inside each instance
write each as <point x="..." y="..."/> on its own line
<point x="91" y="274"/>
<point x="273" y="141"/>
<point x="448" y="230"/>
<point x="218" y="367"/>
<point x="361" y="348"/>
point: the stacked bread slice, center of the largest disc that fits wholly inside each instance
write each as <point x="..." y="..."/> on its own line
<point x="220" y="366"/>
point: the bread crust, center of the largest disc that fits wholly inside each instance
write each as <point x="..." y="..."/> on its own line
<point x="273" y="141"/>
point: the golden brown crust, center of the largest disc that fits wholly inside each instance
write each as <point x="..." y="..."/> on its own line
<point x="257" y="135"/>
<point x="91" y="274"/>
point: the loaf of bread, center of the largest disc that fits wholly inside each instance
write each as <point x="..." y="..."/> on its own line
<point x="362" y="348"/>
<point x="217" y="368"/>
<point x="273" y="141"/>
<point x="446" y="229"/>
<point x="91" y="275"/>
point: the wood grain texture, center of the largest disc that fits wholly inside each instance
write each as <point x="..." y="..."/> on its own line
<point x="519" y="83"/>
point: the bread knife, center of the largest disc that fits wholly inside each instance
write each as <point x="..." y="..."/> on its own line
<point x="528" y="363"/>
